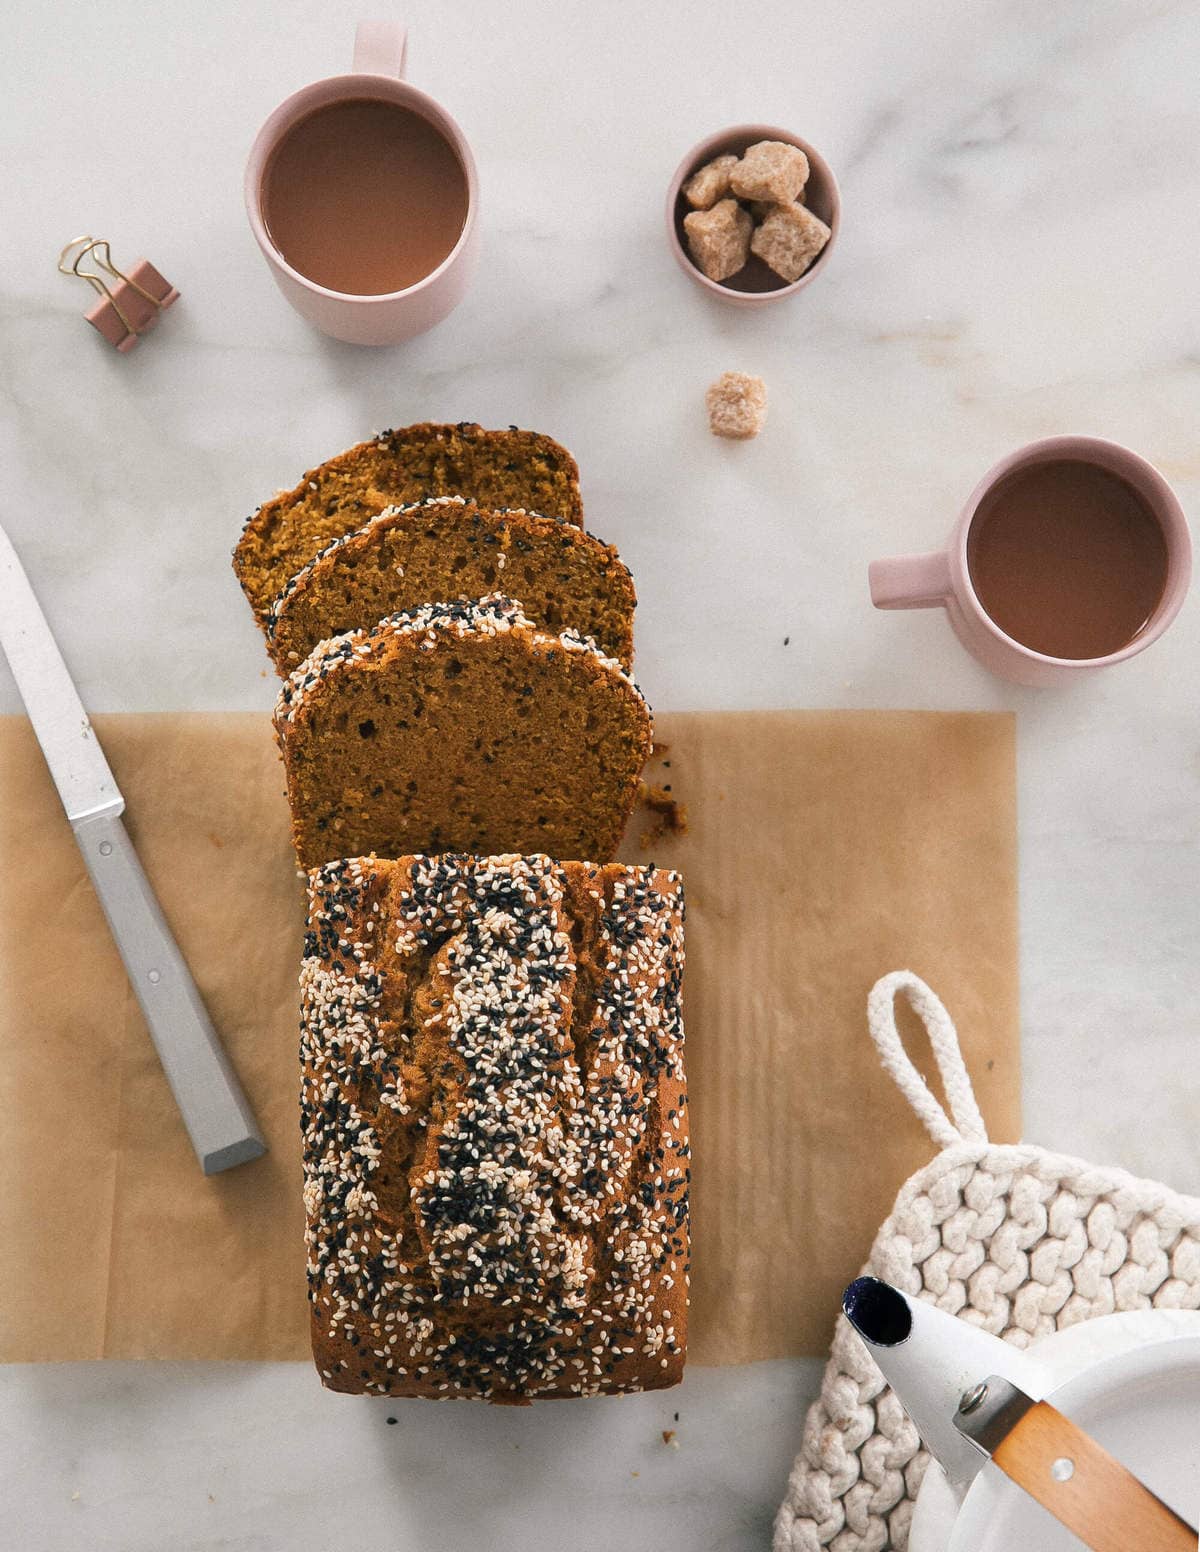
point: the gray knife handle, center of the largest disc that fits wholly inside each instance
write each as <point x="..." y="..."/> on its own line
<point x="218" y="1118"/>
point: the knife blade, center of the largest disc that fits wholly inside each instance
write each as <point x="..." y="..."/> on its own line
<point x="1068" y="1473"/>
<point x="215" y="1111"/>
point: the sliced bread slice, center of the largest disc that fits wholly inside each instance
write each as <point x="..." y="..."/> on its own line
<point x="510" y="468"/>
<point x="463" y="728"/>
<point x="449" y="547"/>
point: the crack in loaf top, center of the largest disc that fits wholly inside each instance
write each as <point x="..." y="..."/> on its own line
<point x="491" y="616"/>
<point x="494" y="1117"/>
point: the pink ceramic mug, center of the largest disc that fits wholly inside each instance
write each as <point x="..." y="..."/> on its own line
<point x="386" y="319"/>
<point x="942" y="578"/>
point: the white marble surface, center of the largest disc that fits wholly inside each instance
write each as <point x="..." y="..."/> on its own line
<point x="1018" y="258"/>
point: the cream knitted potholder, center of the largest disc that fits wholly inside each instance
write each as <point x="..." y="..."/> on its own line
<point x="1018" y="1240"/>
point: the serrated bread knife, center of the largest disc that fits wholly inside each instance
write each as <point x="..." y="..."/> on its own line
<point x="214" y="1109"/>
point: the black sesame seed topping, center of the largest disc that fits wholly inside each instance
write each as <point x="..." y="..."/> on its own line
<point x="549" y="1201"/>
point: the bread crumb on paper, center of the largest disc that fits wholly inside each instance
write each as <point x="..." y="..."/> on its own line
<point x="669" y="816"/>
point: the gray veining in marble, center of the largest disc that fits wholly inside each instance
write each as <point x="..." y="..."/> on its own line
<point x="1018" y="258"/>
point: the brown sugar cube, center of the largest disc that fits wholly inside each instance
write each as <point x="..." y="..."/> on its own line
<point x="789" y="240"/>
<point x="737" y="405"/>
<point x="704" y="188"/>
<point x="719" y="239"/>
<point x="770" y="170"/>
<point x="760" y="209"/>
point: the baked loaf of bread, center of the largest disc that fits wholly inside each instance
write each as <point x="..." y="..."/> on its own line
<point x="495" y="1127"/>
<point x="497" y="468"/>
<point x="462" y="728"/>
<point x="449" y="547"/>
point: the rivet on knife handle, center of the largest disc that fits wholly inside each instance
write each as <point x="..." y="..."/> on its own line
<point x="215" y="1111"/>
<point x="1068" y="1473"/>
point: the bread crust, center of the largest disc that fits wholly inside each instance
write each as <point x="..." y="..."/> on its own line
<point x="501" y="468"/>
<point x="495" y="1127"/>
<point x="561" y="574"/>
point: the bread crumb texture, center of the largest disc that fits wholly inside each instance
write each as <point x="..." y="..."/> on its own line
<point x="460" y="727"/>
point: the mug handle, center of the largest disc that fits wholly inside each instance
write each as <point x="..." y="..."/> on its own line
<point x="379" y="49"/>
<point x="911" y="581"/>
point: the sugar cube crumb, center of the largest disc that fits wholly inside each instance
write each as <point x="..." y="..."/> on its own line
<point x="737" y="406"/>
<point x="770" y="170"/>
<point x="704" y="188"/>
<point x="789" y="240"/>
<point x="719" y="239"/>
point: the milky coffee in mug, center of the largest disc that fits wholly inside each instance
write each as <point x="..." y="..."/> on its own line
<point x="1067" y="558"/>
<point x="1071" y="554"/>
<point x="362" y="194"/>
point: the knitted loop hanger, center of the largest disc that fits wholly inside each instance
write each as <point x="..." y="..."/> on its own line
<point x="967" y="1123"/>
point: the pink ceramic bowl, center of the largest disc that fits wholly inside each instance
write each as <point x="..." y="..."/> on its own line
<point x="755" y="285"/>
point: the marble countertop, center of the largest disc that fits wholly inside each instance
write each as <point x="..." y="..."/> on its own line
<point x="1017" y="259"/>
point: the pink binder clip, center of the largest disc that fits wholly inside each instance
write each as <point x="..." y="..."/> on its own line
<point x="130" y="304"/>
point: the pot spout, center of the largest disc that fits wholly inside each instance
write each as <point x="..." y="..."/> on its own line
<point x="931" y="1360"/>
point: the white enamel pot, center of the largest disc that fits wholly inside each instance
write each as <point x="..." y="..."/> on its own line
<point x="1132" y="1381"/>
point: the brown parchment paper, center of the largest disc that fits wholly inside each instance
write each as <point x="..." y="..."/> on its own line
<point x="824" y="849"/>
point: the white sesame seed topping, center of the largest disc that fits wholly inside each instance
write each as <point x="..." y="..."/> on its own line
<point x="550" y="1186"/>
